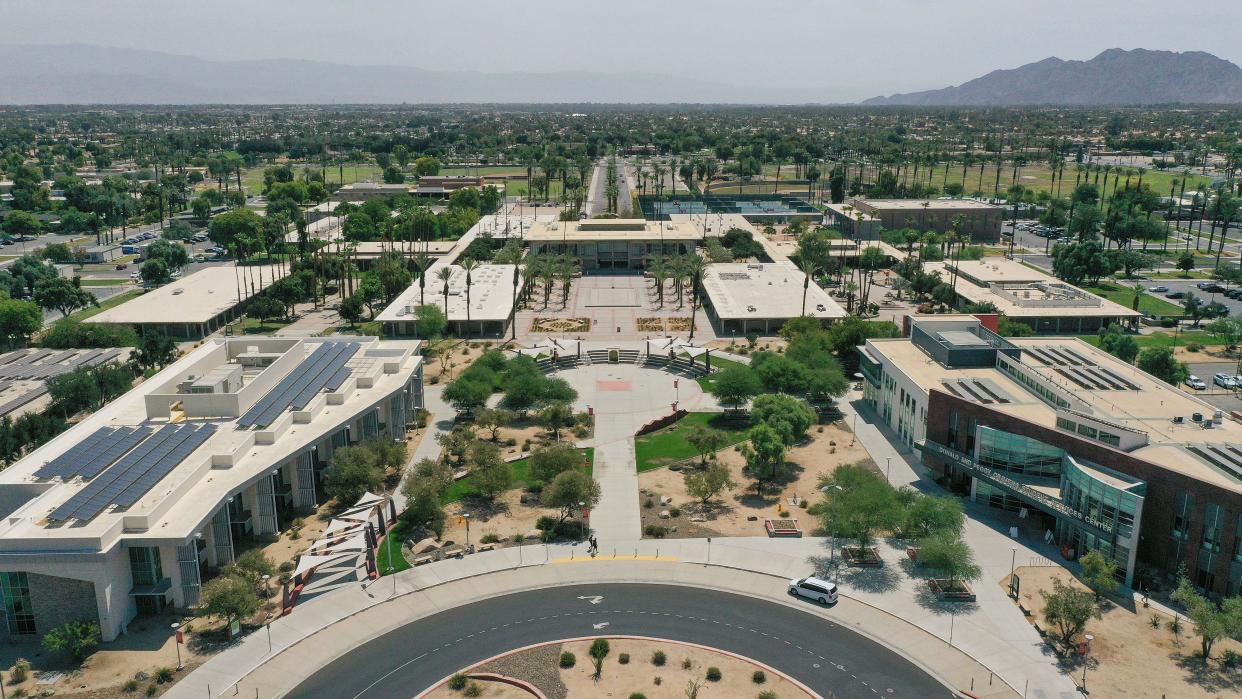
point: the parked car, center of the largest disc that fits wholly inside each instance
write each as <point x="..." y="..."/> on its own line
<point x="814" y="589"/>
<point x="1176" y="295"/>
<point x="1196" y="383"/>
<point x="1213" y="288"/>
<point x="135" y="275"/>
<point x="1224" y="381"/>
<point x="1160" y="289"/>
<point x="122" y="265"/>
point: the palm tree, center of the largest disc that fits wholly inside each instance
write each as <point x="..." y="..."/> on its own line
<point x="565" y="272"/>
<point x="468" y="264"/>
<point x="659" y="272"/>
<point x="519" y="270"/>
<point x="694" y="271"/>
<point x="810" y="269"/>
<point x="422" y="261"/>
<point x="444" y="275"/>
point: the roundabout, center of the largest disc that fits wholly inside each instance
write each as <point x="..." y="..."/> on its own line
<point x="827" y="657"/>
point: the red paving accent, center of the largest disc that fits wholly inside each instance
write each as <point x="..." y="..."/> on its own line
<point x="614" y="385"/>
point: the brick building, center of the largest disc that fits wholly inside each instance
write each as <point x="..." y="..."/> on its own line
<point x="1092" y="451"/>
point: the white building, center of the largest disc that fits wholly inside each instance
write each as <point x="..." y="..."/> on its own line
<point x="129" y="511"/>
<point x="744" y="297"/>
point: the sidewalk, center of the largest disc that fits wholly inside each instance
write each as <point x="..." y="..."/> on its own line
<point x="616" y="518"/>
<point x="328" y="627"/>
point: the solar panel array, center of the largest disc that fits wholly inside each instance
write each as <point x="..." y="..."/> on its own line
<point x="980" y="390"/>
<point x="136" y="473"/>
<point x="1227" y="457"/>
<point x="324" y="368"/>
<point x="1079" y="370"/>
<point x="95" y="453"/>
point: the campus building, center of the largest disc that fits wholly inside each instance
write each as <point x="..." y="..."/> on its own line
<point x="127" y="512"/>
<point x="979" y="221"/>
<point x="491" y="301"/>
<point x="1088" y="451"/>
<point x="1029" y="296"/>
<point x="613" y="244"/>
<point x="440" y="185"/>
<point x="195" y="305"/>
<point x="745" y="297"/>
<point x="366" y="191"/>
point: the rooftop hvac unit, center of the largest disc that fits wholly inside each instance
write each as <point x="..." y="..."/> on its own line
<point x="1197" y="417"/>
<point x="1179" y="419"/>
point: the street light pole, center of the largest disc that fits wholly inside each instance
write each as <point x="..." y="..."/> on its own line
<point x="467" y="518"/>
<point x="1012" y="562"/>
<point x="177" y="644"/>
<point x="889" y="469"/>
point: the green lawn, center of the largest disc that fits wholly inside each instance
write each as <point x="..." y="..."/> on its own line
<point x="106" y="282"/>
<point x="521" y="478"/>
<point x="1180" y="275"/>
<point x="1124" y="295"/>
<point x="658" y="449"/>
<point x="390" y="552"/>
<point x="706" y="382"/>
<point x="105" y="305"/>
<point x="250" y="326"/>
<point x="1165" y="339"/>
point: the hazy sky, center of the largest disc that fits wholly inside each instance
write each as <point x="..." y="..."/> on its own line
<point x="850" y="48"/>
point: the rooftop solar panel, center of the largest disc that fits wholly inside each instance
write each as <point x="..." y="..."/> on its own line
<point x="320" y="369"/>
<point x="113" y="450"/>
<point x="81" y="502"/>
<point x="65" y="463"/>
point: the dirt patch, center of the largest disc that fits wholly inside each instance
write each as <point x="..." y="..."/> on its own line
<point x="683" y="666"/>
<point x="504" y="519"/>
<point x="1129" y="656"/>
<point x="730" y="514"/>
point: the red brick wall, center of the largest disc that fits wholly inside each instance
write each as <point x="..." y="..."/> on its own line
<point x="1164" y="486"/>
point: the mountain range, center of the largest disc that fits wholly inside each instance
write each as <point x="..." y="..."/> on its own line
<point x="1115" y="77"/>
<point x="85" y="74"/>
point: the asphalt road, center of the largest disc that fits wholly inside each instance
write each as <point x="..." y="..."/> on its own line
<point x="828" y="658"/>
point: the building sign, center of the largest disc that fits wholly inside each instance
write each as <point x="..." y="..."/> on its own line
<point x="1003" y="480"/>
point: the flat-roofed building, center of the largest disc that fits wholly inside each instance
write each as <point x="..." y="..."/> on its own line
<point x="131" y="510"/>
<point x="853" y="222"/>
<point x="744" y="297"/>
<point x="614" y="243"/>
<point x="195" y="305"/>
<point x="1086" y="450"/>
<point x="491" y="300"/>
<point x="980" y="221"/>
<point x="366" y="191"/>
<point x="1030" y="296"/>
<point x="445" y="184"/>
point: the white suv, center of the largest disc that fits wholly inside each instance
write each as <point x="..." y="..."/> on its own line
<point x="814" y="589"/>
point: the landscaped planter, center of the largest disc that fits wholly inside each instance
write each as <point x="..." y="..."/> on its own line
<point x="863" y="558"/>
<point x="782" y="528"/>
<point x="955" y="590"/>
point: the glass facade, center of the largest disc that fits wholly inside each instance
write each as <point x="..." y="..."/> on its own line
<point x="1108" y="506"/>
<point x="145" y="566"/>
<point x="18" y="611"/>
<point x="1017" y="454"/>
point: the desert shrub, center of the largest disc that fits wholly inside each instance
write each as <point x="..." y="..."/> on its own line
<point x="457" y="681"/>
<point x="713" y="674"/>
<point x="1194" y="347"/>
<point x="473" y="690"/>
<point x="568" y="660"/>
<point x="130" y="686"/>
<point x="624" y="658"/>
<point x="164" y="675"/>
<point x="658" y="658"/>
<point x="758" y="677"/>
<point x="655" y="530"/>
<point x="769" y="694"/>
<point x="686" y="664"/>
<point x="490" y="539"/>
<point x="20" y="671"/>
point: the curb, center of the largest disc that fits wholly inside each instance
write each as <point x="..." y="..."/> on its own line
<point x="857" y="629"/>
<point x="623" y="637"/>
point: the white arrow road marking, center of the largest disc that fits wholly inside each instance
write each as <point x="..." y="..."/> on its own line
<point x="599" y="626"/>
<point x="593" y="599"/>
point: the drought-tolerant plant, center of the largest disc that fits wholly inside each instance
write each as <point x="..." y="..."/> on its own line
<point x="713" y="674"/>
<point x="164" y="675"/>
<point x="758" y="677"/>
<point x="686" y="664"/>
<point x="624" y="658"/>
<point x="637" y="695"/>
<point x="457" y="681"/>
<point x="568" y="660"/>
<point x="768" y="694"/>
<point x="658" y="658"/>
<point x="599" y="651"/>
<point x="20" y="671"/>
<point x="77" y="637"/>
<point x="473" y="690"/>
<point x="130" y="686"/>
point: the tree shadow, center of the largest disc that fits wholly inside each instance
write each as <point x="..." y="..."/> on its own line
<point x="1209" y="676"/>
<point x="925" y="598"/>
<point x="875" y="580"/>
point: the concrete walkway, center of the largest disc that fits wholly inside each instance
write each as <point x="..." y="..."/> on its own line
<point x="616" y="518"/>
<point x="326" y="628"/>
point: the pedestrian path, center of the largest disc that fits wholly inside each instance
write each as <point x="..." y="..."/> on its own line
<point x="616" y="517"/>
